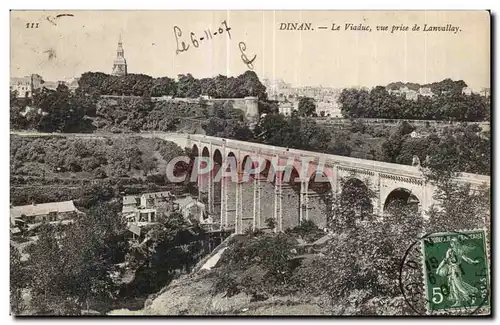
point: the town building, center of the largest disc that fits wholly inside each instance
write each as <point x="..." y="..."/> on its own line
<point x="120" y="64"/>
<point x="44" y="212"/>
<point x="144" y="208"/>
<point x="72" y="84"/>
<point x="466" y="91"/>
<point x="486" y="92"/>
<point x="425" y="91"/>
<point x="286" y="108"/>
<point x="330" y="106"/>
<point x="25" y="86"/>
<point x="275" y="88"/>
<point x="411" y="95"/>
<point x="188" y="206"/>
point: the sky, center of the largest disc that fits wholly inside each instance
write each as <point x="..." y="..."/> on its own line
<point x="69" y="46"/>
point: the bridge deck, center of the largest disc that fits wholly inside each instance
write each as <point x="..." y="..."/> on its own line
<point x="376" y="166"/>
<point x="379" y="166"/>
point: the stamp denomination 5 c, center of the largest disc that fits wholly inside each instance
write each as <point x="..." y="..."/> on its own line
<point x="456" y="271"/>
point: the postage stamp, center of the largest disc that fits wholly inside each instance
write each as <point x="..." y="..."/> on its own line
<point x="456" y="273"/>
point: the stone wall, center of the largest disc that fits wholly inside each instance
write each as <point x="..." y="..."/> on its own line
<point x="248" y="105"/>
<point x="318" y="207"/>
<point x="247" y="204"/>
<point x="290" y="200"/>
<point x="266" y="202"/>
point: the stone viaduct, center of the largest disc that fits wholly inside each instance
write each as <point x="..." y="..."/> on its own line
<point x="247" y="203"/>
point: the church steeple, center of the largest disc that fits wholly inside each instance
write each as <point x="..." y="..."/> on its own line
<point x="120" y="64"/>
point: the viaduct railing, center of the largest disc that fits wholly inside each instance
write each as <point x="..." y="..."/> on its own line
<point x="376" y="166"/>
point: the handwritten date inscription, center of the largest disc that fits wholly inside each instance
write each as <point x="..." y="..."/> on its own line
<point x="196" y="40"/>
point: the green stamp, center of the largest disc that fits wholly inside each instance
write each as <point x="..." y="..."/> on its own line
<point x="456" y="271"/>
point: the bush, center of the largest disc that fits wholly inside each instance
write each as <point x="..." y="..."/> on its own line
<point x="307" y="229"/>
<point x="254" y="265"/>
<point x="270" y="223"/>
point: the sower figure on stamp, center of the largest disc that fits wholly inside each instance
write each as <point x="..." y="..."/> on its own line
<point x="460" y="291"/>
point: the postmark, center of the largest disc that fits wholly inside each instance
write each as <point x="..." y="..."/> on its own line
<point x="447" y="274"/>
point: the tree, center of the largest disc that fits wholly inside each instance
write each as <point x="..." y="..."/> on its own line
<point x="367" y="251"/>
<point x="149" y="164"/>
<point x="307" y="107"/>
<point x="461" y="149"/>
<point x="170" y="246"/>
<point x="17" y="120"/>
<point x="69" y="267"/>
<point x="353" y="102"/>
<point x="188" y="86"/>
<point x="17" y="281"/>
<point x="250" y="85"/>
<point x="448" y="102"/>
<point x="229" y="129"/>
<point x="46" y="275"/>
<point x="391" y="148"/>
<point x="164" y="86"/>
<point x="60" y="111"/>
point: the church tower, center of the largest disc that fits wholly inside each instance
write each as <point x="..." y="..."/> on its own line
<point x="120" y="64"/>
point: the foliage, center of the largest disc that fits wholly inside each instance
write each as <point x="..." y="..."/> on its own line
<point x="115" y="157"/>
<point x="256" y="265"/>
<point x="459" y="206"/>
<point x="352" y="205"/>
<point x="447" y="103"/>
<point x="457" y="149"/>
<point x="306" y="107"/>
<point x="54" y="111"/>
<point x="228" y="123"/>
<point x="392" y="147"/>
<point x="171" y="246"/>
<point x="186" y="86"/>
<point x="365" y="262"/>
<point x="307" y="230"/>
<point x="270" y="223"/>
<point x="18" y="279"/>
<point x="461" y="149"/>
<point x="17" y="106"/>
<point x="73" y="266"/>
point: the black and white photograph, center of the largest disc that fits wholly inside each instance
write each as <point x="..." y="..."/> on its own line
<point x="250" y="163"/>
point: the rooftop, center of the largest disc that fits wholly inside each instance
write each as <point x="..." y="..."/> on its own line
<point x="130" y="199"/>
<point x="42" y="209"/>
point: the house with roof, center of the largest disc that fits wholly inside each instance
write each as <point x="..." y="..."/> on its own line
<point x="425" y="91"/>
<point x="52" y="212"/>
<point x="25" y="86"/>
<point x="189" y="206"/>
<point x="467" y="91"/>
<point x="286" y="108"/>
<point x="144" y="208"/>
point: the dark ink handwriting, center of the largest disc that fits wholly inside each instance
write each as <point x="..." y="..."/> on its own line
<point x="227" y="29"/>
<point x="178" y="33"/>
<point x="52" y="19"/>
<point x="197" y="41"/>
<point x="244" y="57"/>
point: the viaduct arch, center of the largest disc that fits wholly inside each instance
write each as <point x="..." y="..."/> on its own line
<point x="314" y="180"/>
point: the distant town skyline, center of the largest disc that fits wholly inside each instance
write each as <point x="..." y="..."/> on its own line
<point x="70" y="46"/>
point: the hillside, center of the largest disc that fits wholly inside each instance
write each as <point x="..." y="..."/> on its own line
<point x="49" y="169"/>
<point x="263" y="273"/>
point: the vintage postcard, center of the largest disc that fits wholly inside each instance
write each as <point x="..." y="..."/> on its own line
<point x="244" y="163"/>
